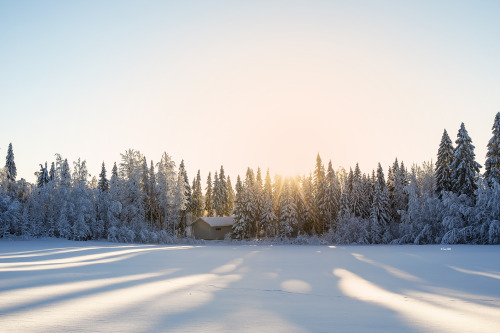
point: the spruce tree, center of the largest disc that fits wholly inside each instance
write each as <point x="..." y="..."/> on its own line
<point x="66" y="174"/>
<point x="443" y="173"/>
<point x="43" y="176"/>
<point x="268" y="218"/>
<point x="209" y="204"/>
<point x="187" y="188"/>
<point x="492" y="164"/>
<point x="242" y="220"/>
<point x="217" y="196"/>
<point x="197" y="201"/>
<point x="465" y="169"/>
<point x="10" y="165"/>
<point x="287" y="216"/>
<point x="332" y="201"/>
<point x="305" y="205"/>
<point x="223" y="191"/>
<point x="320" y="221"/>
<point x="230" y="198"/>
<point x="52" y="172"/>
<point x="103" y="184"/>
<point x="379" y="213"/>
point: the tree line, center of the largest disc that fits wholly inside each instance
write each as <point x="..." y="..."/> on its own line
<point x="451" y="202"/>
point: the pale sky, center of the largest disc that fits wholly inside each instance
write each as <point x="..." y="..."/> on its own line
<point x="246" y="83"/>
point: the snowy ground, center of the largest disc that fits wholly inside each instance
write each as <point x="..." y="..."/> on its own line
<point x="61" y="286"/>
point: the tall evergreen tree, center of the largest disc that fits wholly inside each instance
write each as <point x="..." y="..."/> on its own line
<point x="52" y="172"/>
<point x="268" y="218"/>
<point x="218" y="201"/>
<point x="320" y="220"/>
<point x="492" y="164"/>
<point x="465" y="169"/>
<point x="197" y="202"/>
<point x="380" y="214"/>
<point x="187" y="188"/>
<point x="306" y="208"/>
<point x="103" y="184"/>
<point x="287" y="216"/>
<point x="230" y="198"/>
<point x="242" y="218"/>
<point x="443" y="173"/>
<point x="209" y="204"/>
<point x="10" y="165"/>
<point x="332" y="201"/>
<point x="43" y="176"/>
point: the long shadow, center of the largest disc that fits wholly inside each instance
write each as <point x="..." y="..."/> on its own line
<point x="430" y="295"/>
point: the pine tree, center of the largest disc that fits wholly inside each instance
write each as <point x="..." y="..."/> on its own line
<point x="258" y="202"/>
<point x="187" y="188"/>
<point x="332" y="201"/>
<point x="103" y="184"/>
<point x="65" y="174"/>
<point x="10" y="165"/>
<point x="443" y="173"/>
<point x="153" y="198"/>
<point x="209" y="204"/>
<point x="492" y="164"/>
<point x="379" y="213"/>
<point x="268" y="218"/>
<point x="465" y="169"/>
<point x="167" y="192"/>
<point x="217" y="197"/>
<point x="43" y="176"/>
<point x="230" y="198"/>
<point x="306" y="208"/>
<point x="242" y="220"/>
<point x="320" y="220"/>
<point x="198" y="204"/>
<point x="287" y="217"/>
<point x="52" y="172"/>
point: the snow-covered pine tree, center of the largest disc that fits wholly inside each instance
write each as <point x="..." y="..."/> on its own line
<point x="153" y="198"/>
<point x="209" y="204"/>
<point x="492" y="164"/>
<point x="184" y="197"/>
<point x="320" y="222"/>
<point x="268" y="218"/>
<point x="43" y="176"/>
<point x="332" y="202"/>
<point x="355" y="190"/>
<point x="287" y="217"/>
<point x="181" y="202"/>
<point x="52" y="172"/>
<point x="167" y="188"/>
<point x="258" y="202"/>
<point x="103" y="185"/>
<point x="65" y="174"/>
<point x="187" y="188"/>
<point x="443" y="173"/>
<point x="223" y="191"/>
<point x="396" y="181"/>
<point x="379" y="214"/>
<point x="217" y="196"/>
<point x="465" y="170"/>
<point x="306" y="208"/>
<point x="198" y="204"/>
<point x="241" y="226"/>
<point x="230" y="198"/>
<point x="10" y="165"/>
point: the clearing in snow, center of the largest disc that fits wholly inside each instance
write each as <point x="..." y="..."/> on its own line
<point x="56" y="285"/>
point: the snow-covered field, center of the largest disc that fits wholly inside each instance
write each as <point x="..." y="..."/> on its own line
<point x="64" y="286"/>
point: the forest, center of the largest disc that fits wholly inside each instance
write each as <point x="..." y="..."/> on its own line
<point x="449" y="202"/>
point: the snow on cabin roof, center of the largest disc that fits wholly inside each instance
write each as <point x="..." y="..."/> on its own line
<point x="224" y="221"/>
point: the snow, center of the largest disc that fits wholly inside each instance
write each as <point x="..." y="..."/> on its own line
<point x="53" y="285"/>
<point x="218" y="221"/>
